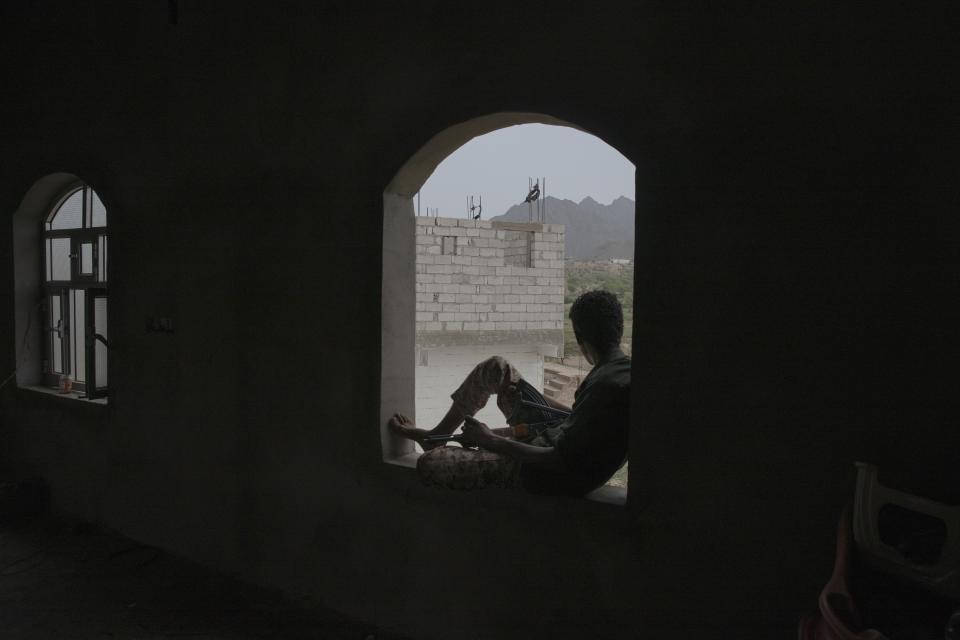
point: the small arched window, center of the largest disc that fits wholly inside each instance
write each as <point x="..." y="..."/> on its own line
<point x="75" y="292"/>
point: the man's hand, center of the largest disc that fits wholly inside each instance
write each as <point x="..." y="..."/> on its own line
<point x="477" y="433"/>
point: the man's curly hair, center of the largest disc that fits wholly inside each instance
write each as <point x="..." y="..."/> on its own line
<point x="598" y="318"/>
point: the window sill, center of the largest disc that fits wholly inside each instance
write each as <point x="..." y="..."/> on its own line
<point x="72" y="398"/>
<point x="616" y="496"/>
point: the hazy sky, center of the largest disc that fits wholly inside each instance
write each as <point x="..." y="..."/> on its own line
<point x="497" y="166"/>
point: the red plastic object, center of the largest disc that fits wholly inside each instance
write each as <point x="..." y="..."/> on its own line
<point x="838" y="618"/>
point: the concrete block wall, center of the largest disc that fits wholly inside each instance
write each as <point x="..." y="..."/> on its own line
<point x="516" y="248"/>
<point x="473" y="283"/>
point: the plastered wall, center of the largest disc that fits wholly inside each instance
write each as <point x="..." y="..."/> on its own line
<point x="795" y="293"/>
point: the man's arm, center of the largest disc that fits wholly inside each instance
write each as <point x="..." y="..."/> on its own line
<point x="483" y="436"/>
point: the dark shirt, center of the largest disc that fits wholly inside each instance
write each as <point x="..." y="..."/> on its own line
<point x="593" y="440"/>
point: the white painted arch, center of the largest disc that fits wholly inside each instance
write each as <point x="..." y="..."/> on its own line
<point x="398" y="327"/>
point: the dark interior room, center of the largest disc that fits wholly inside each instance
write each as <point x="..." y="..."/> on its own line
<point x="795" y="312"/>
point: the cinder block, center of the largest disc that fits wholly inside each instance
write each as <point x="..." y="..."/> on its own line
<point x="473" y="271"/>
<point x="473" y="252"/>
<point x="484" y="308"/>
<point x="440" y="268"/>
<point x="461" y="260"/>
<point x="431" y="326"/>
<point x="466" y="317"/>
<point x="425" y="221"/>
<point x="444" y="317"/>
<point x="446" y="297"/>
<point x="468" y="308"/>
<point x="453" y="326"/>
<point x="471" y="326"/>
<point x="442" y="279"/>
<point x="424" y="316"/>
<point x="488" y="326"/>
<point x="450" y="288"/>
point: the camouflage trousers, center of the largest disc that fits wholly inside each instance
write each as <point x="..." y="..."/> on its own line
<point x="454" y="467"/>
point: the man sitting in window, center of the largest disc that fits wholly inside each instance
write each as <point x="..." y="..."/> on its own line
<point x="547" y="447"/>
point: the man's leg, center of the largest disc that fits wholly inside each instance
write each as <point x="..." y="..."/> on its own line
<point x="464" y="469"/>
<point x="493" y="376"/>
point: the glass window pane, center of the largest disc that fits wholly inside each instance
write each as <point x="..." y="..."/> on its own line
<point x="70" y="213"/>
<point x="56" y="342"/>
<point x="100" y="349"/>
<point x="59" y="258"/>
<point x="99" y="212"/>
<point x="86" y="258"/>
<point x="102" y="258"/>
<point x="78" y="335"/>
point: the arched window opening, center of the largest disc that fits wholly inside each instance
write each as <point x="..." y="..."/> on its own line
<point x="462" y="283"/>
<point x="74" y="305"/>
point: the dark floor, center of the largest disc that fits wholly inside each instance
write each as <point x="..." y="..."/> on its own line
<point x="65" y="579"/>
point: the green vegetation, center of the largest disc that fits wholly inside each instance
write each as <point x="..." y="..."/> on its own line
<point x="598" y="275"/>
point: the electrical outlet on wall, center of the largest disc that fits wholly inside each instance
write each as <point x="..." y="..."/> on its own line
<point x="159" y="324"/>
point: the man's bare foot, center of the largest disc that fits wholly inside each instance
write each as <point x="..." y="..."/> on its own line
<point x="405" y="428"/>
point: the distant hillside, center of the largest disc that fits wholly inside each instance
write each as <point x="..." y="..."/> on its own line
<point x="594" y="231"/>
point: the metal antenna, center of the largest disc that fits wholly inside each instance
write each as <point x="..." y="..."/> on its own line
<point x="544" y="180"/>
<point x="476" y="208"/>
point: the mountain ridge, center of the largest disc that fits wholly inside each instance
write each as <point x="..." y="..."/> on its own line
<point x="594" y="231"/>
